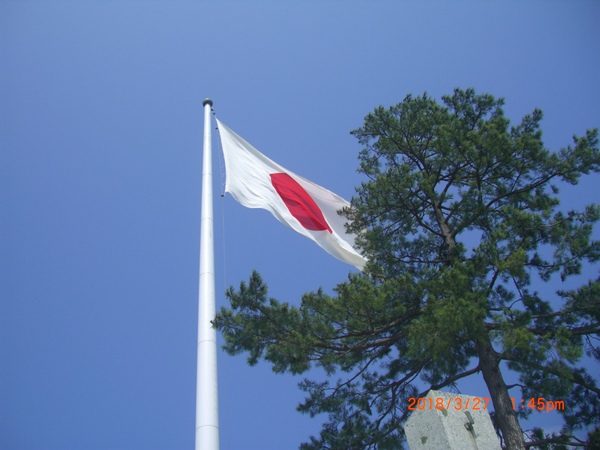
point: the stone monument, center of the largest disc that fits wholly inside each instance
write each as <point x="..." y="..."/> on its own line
<point x="446" y="421"/>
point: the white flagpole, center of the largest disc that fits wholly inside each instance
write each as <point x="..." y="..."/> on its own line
<point x="207" y="399"/>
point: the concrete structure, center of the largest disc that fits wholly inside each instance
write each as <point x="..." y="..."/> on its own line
<point x="446" y="421"/>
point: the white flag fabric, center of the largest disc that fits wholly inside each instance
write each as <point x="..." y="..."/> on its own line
<point x="255" y="181"/>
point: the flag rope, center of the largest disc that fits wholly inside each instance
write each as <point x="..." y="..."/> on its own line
<point x="225" y="366"/>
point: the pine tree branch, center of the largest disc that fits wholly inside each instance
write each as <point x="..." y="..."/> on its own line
<point x="558" y="440"/>
<point x="575" y="378"/>
<point x="450" y="380"/>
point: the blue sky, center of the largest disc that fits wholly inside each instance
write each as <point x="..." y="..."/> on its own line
<point x="101" y="141"/>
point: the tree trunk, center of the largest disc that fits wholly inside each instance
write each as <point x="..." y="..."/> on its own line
<point x="506" y="418"/>
<point x="489" y="362"/>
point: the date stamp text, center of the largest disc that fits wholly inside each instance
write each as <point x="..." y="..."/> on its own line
<point x="481" y="404"/>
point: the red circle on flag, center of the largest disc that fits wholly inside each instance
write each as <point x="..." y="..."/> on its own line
<point x="299" y="202"/>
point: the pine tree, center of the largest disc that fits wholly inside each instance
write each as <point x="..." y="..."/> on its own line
<point x="459" y="216"/>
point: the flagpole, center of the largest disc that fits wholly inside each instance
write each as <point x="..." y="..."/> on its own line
<point x="207" y="399"/>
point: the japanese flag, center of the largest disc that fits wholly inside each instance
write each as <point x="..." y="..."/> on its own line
<point x="257" y="182"/>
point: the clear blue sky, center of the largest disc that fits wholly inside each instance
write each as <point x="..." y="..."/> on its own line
<point x="100" y="146"/>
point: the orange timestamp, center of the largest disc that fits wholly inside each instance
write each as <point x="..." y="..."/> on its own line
<point x="480" y="404"/>
<point x="539" y="404"/>
<point x="456" y="403"/>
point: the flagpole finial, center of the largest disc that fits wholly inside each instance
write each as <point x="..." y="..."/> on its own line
<point x="207" y="101"/>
